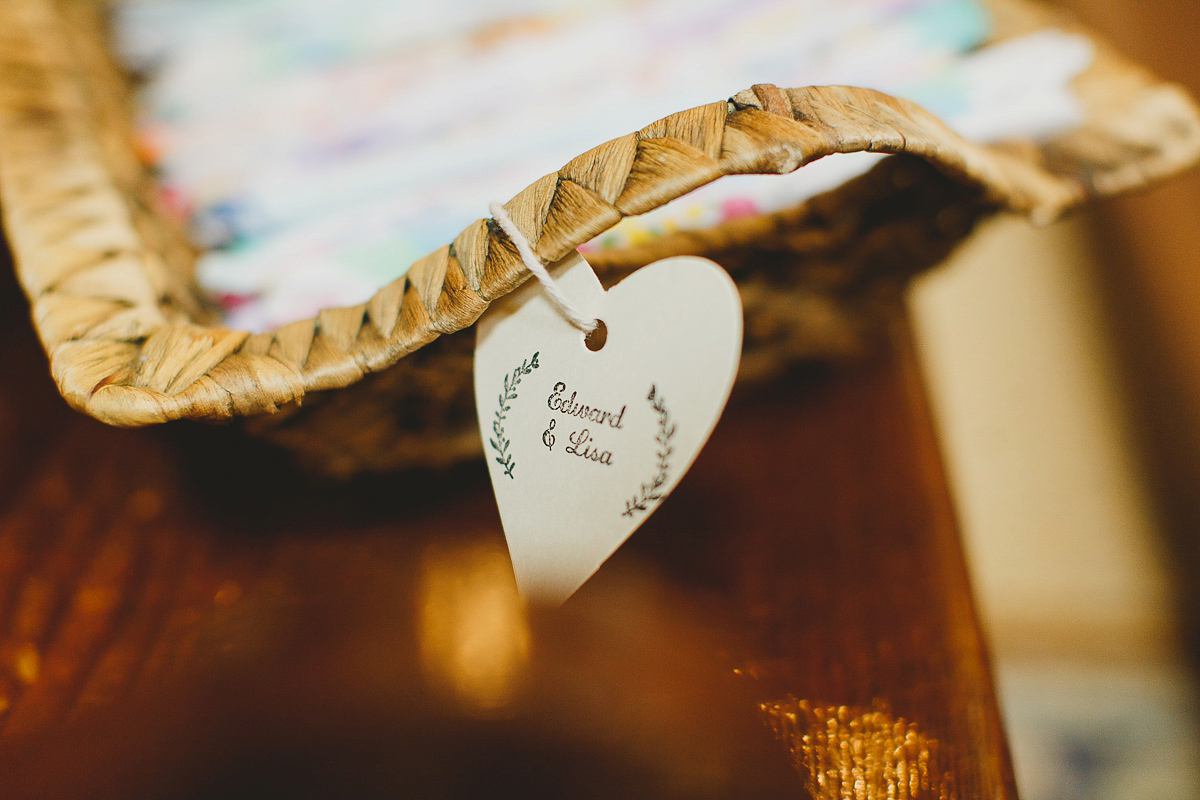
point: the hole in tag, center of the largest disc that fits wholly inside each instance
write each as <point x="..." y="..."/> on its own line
<point x="596" y="338"/>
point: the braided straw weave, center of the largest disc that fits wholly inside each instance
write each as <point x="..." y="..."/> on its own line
<point x="110" y="287"/>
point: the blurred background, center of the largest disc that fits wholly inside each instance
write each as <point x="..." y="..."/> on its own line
<point x="1064" y="365"/>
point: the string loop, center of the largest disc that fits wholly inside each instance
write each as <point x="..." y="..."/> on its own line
<point x="534" y="264"/>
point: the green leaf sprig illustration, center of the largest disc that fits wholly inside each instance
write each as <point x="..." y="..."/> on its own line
<point x="651" y="491"/>
<point x="500" y="443"/>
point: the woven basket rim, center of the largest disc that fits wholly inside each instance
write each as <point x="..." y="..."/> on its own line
<point x="119" y="353"/>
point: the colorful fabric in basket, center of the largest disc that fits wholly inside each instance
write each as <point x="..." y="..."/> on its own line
<point x="318" y="147"/>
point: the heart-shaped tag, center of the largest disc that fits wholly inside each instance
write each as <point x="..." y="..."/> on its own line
<point x="584" y="444"/>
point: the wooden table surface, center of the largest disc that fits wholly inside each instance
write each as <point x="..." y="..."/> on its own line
<point x="183" y="614"/>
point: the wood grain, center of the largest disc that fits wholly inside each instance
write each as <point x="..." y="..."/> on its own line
<point x="168" y="630"/>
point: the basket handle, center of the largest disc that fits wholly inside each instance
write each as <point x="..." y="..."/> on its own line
<point x="124" y="348"/>
<point x="170" y="370"/>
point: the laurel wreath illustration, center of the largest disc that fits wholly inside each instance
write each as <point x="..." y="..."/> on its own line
<point x="651" y="491"/>
<point x="501" y="442"/>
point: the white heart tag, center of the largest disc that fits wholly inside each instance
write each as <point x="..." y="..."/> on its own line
<point x="582" y="446"/>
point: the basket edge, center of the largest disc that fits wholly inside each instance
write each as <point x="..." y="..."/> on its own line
<point x="115" y="356"/>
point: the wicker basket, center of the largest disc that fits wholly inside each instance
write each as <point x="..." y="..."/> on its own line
<point x="131" y="341"/>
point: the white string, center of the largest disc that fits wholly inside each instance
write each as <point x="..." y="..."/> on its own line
<point x="557" y="299"/>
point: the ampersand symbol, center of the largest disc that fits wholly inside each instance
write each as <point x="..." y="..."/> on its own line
<point x="548" y="437"/>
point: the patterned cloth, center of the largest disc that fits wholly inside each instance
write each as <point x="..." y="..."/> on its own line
<point x="318" y="147"/>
